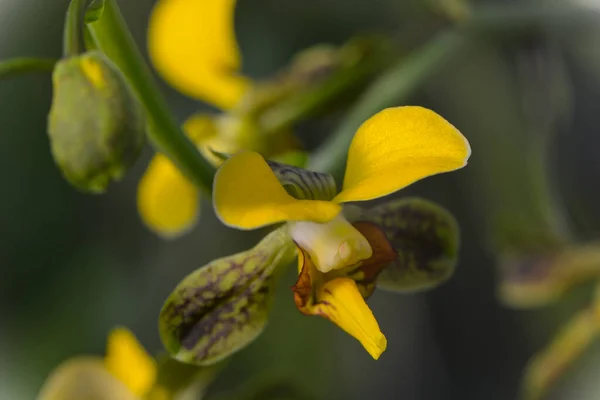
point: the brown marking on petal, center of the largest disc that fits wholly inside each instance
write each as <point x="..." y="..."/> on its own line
<point x="303" y="287"/>
<point x="366" y="273"/>
<point x="223" y="306"/>
<point x="426" y="237"/>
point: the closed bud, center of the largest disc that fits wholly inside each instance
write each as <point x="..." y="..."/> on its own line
<point x="96" y="124"/>
<point x="232" y="132"/>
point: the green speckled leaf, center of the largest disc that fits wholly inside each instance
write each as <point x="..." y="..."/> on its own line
<point x="223" y="306"/>
<point x="426" y="237"/>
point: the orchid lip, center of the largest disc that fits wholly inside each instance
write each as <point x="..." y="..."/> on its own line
<point x="332" y="245"/>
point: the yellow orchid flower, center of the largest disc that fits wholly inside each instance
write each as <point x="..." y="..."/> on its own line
<point x="391" y="150"/>
<point x="126" y="373"/>
<point x="344" y="251"/>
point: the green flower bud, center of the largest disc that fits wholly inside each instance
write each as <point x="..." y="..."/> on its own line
<point x="96" y="125"/>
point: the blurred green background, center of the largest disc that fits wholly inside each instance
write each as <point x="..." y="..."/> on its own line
<point x="72" y="266"/>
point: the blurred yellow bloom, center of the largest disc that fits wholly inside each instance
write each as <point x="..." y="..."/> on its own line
<point x="167" y="201"/>
<point x="129" y="362"/>
<point x="126" y="373"/>
<point x="391" y="150"/>
<point x="192" y="45"/>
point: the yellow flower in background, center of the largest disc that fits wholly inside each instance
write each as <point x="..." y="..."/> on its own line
<point x="193" y="47"/>
<point x="391" y="150"/>
<point x="167" y="201"/>
<point x="127" y="372"/>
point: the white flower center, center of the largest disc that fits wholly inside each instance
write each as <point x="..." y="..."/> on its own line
<point x="332" y="245"/>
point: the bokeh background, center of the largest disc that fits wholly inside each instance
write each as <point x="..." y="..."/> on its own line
<point x="72" y="266"/>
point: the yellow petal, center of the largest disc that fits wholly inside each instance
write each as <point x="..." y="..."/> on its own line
<point x="399" y="146"/>
<point x="127" y="360"/>
<point x="224" y="133"/>
<point x="167" y="201"/>
<point x="247" y="195"/>
<point x="340" y="301"/>
<point x="192" y="45"/>
<point x="200" y="128"/>
<point x="83" y="378"/>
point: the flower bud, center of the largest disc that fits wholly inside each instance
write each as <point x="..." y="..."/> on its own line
<point x="230" y="133"/>
<point x="96" y="125"/>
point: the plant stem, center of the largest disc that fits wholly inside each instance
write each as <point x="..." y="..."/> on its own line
<point x="18" y="66"/>
<point x="392" y="87"/>
<point x="111" y="35"/>
<point x="521" y="16"/>
<point x="73" y="30"/>
<point x="541" y="186"/>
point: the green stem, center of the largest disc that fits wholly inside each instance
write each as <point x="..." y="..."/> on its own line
<point x="406" y="76"/>
<point x="542" y="188"/>
<point x="518" y="16"/>
<point x="392" y="87"/>
<point x="73" y="31"/>
<point x="111" y="35"/>
<point x="23" y="65"/>
<point x="179" y="378"/>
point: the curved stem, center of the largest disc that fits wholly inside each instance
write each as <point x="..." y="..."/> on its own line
<point x="73" y="31"/>
<point x="550" y="364"/>
<point x="179" y="378"/>
<point x="542" y="188"/>
<point x="517" y="16"/>
<point x="110" y="34"/>
<point x="23" y="65"/>
<point x="392" y="87"/>
<point x="401" y="80"/>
